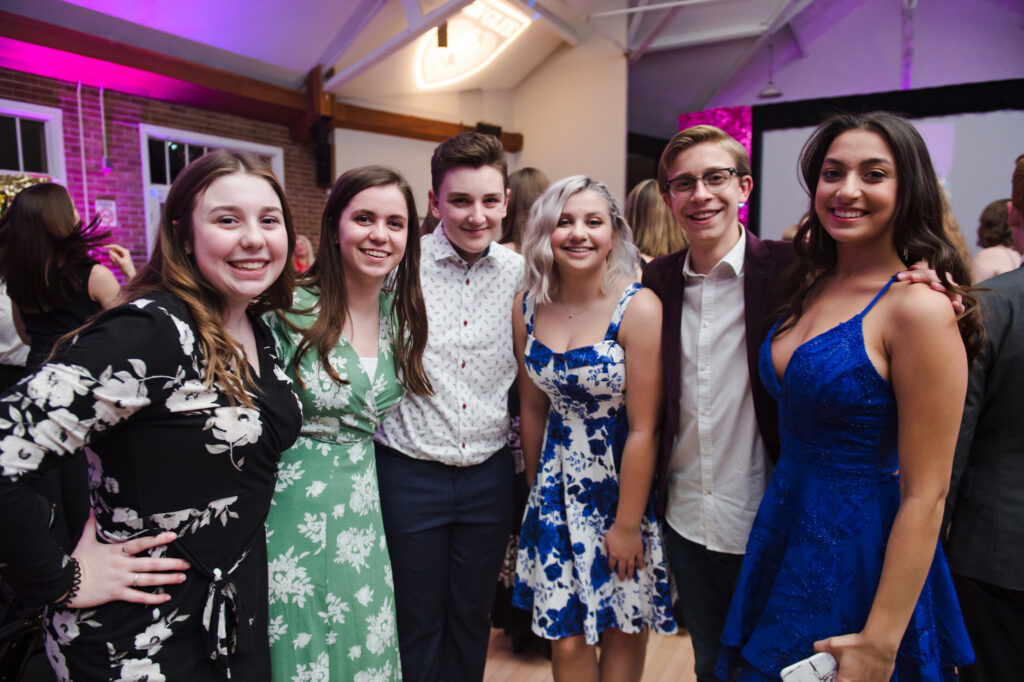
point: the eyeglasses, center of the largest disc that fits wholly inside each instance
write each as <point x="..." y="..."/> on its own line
<point x="715" y="181"/>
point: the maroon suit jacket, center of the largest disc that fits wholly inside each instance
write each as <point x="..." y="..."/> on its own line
<point x="764" y="262"/>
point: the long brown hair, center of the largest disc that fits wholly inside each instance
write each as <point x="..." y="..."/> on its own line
<point x="526" y="184"/>
<point x="41" y="243"/>
<point x="655" y="231"/>
<point x="173" y="268"/>
<point x="917" y="221"/>
<point x="327" y="276"/>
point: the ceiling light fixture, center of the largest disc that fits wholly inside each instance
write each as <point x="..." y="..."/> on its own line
<point x="479" y="33"/>
<point x="769" y="91"/>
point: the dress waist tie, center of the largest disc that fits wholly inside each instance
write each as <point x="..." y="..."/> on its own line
<point x="228" y="628"/>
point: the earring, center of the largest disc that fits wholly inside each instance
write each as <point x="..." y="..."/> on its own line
<point x="742" y="204"/>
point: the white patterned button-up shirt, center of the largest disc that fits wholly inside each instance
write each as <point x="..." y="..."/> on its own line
<point x="468" y="358"/>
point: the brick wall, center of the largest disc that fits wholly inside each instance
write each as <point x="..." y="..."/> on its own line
<point x="124" y="113"/>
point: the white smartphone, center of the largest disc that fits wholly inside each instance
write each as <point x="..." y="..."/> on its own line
<point x="818" y="668"/>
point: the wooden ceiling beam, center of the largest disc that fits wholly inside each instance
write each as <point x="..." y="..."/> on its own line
<point x="183" y="82"/>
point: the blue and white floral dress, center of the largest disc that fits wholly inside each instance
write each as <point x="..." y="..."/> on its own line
<point x="562" y="573"/>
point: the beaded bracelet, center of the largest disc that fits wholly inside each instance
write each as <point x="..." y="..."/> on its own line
<point x="76" y="583"/>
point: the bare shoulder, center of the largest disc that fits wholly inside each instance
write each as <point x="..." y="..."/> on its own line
<point x="643" y="312"/>
<point x="918" y="313"/>
<point x="517" y="306"/>
<point x="916" y="305"/>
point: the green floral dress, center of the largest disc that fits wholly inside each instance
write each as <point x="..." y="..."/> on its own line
<point x="332" y="597"/>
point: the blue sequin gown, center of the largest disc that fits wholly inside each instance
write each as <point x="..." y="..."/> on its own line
<point x="562" y="574"/>
<point x="815" y="553"/>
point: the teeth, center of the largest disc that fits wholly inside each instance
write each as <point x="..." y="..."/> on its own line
<point x="848" y="214"/>
<point x="703" y="215"/>
<point x="375" y="254"/>
<point x="248" y="265"/>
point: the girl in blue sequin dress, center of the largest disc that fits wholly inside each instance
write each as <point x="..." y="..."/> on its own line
<point x="590" y="565"/>
<point x="870" y="375"/>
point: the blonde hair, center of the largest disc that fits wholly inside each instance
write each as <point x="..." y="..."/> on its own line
<point x="655" y="230"/>
<point x="541" y="278"/>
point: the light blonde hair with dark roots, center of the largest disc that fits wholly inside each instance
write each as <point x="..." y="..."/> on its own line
<point x="541" y="277"/>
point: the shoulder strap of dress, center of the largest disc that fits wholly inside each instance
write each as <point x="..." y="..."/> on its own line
<point x="620" y="310"/>
<point x="528" y="310"/>
<point x="878" y="296"/>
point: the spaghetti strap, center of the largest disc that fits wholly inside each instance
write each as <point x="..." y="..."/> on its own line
<point x="878" y="296"/>
<point x="528" y="312"/>
<point x="620" y="310"/>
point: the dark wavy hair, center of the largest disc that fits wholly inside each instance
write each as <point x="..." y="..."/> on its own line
<point x="41" y="242"/>
<point x="327" y="276"/>
<point x="917" y="220"/>
<point x="173" y="268"/>
<point x="994" y="225"/>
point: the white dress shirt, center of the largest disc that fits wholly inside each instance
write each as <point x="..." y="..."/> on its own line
<point x="719" y="468"/>
<point x="468" y="358"/>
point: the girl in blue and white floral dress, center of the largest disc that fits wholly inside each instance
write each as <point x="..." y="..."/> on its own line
<point x="590" y="566"/>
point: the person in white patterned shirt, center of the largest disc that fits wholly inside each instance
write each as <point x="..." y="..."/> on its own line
<point x="443" y="462"/>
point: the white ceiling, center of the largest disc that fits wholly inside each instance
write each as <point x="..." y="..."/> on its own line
<point x="682" y="52"/>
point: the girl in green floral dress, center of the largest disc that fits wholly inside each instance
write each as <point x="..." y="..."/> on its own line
<point x="353" y="339"/>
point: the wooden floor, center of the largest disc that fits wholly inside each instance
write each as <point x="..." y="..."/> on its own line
<point x="669" y="659"/>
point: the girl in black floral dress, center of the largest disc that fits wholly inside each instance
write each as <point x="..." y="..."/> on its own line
<point x="181" y="409"/>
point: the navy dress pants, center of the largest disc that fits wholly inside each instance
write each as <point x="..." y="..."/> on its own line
<point x="705" y="580"/>
<point x="447" y="528"/>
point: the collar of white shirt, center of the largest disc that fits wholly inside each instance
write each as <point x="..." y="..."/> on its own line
<point x="733" y="260"/>
<point x="438" y="246"/>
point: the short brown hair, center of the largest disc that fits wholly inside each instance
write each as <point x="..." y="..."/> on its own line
<point x="1017" y="193"/>
<point x="475" y="150"/>
<point x="695" y="135"/>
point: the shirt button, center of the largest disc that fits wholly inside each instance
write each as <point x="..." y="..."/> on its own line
<point x="705" y="453"/>
<point x="704" y="411"/>
<point x="467" y="280"/>
<point x="463" y="363"/>
<point x="463" y="446"/>
<point x="706" y="492"/>
<point x="705" y="324"/>
<point x="463" y="405"/>
<point x="465" y="322"/>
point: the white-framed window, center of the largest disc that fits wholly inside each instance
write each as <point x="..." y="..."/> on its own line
<point x="32" y="140"/>
<point x="165" y="151"/>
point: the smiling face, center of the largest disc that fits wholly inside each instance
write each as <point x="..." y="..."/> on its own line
<point x="239" y="239"/>
<point x="856" y="193"/>
<point x="471" y="203"/>
<point x="583" y="233"/>
<point x="372" y="233"/>
<point x="710" y="219"/>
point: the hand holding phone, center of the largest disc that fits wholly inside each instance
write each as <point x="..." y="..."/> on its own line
<point x="820" y="667"/>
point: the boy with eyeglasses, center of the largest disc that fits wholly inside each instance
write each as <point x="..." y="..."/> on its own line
<point x="720" y="432"/>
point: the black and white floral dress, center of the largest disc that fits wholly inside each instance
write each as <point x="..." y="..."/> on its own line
<point x="165" y="453"/>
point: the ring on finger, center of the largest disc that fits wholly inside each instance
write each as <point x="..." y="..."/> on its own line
<point x="123" y="550"/>
<point x="135" y="580"/>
